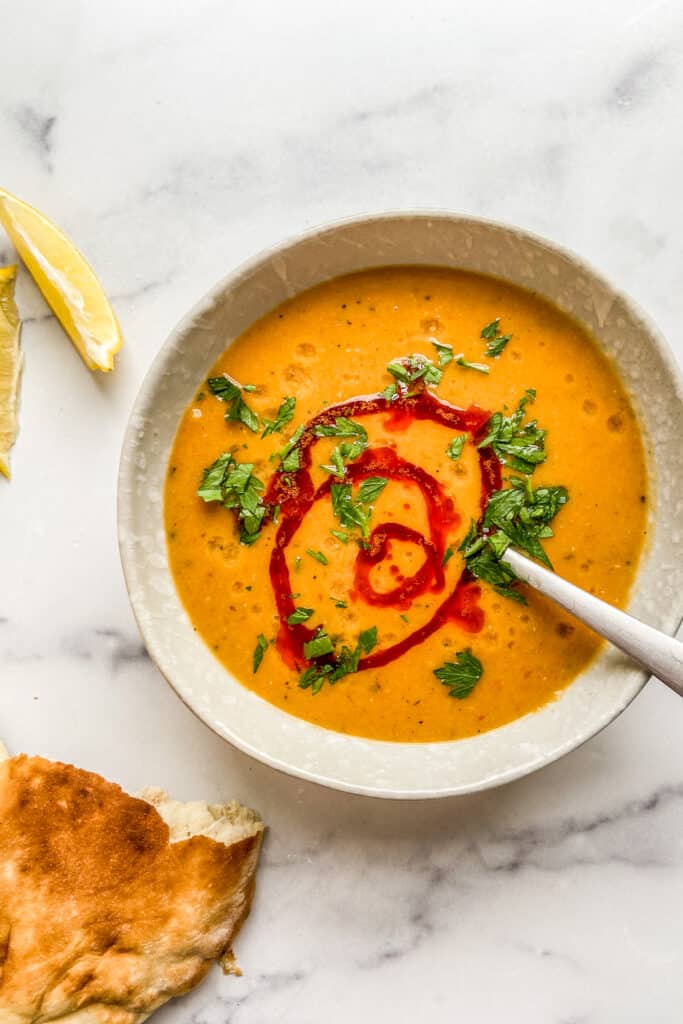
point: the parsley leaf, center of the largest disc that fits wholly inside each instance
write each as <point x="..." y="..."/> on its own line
<point x="444" y="353"/>
<point x="486" y="565"/>
<point x="517" y="515"/>
<point x="411" y="369"/>
<point x="496" y="340"/>
<point x="454" y="450"/>
<point x="461" y="675"/>
<point x="342" y="427"/>
<point x="291" y="461"/>
<point x="495" y="347"/>
<point x="350" y="513"/>
<point x="230" y="392"/>
<point x="368" y="639"/>
<point x="224" y="388"/>
<point x="479" y="367"/>
<point x="447" y="555"/>
<point x="341" y="536"/>
<point x="318" y="555"/>
<point x="399" y="371"/>
<point x="234" y="485"/>
<point x="318" y="646"/>
<point x="354" y="513"/>
<point x="371" y="488"/>
<point x="523" y="515"/>
<point x="290" y="456"/>
<point x="211" y="487"/>
<point x="343" y="664"/>
<point x="314" y="677"/>
<point x="284" y="415"/>
<point x="520" y="447"/>
<point x="259" y="651"/>
<point x="347" y="451"/>
<point x="299" y="615"/>
<point x="491" y="330"/>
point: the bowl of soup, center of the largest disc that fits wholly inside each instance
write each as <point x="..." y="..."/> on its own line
<point x="329" y="456"/>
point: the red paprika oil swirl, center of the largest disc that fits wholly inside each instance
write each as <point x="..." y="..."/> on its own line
<point x="295" y="493"/>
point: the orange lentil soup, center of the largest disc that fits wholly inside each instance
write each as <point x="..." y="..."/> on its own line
<point x="386" y="599"/>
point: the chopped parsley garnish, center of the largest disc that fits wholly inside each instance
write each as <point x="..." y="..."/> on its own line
<point x="318" y="555"/>
<point x="354" y="512"/>
<point x="496" y="340"/>
<point x="290" y="456"/>
<point x="411" y="369"/>
<point x="371" y="488"/>
<point x="444" y="353"/>
<point x="483" y="561"/>
<point x="368" y="639"/>
<point x="342" y="427"/>
<point x="318" y="646"/>
<point x="211" y="487"/>
<point x="404" y="617"/>
<point x="234" y="485"/>
<point x="298" y="616"/>
<point x="350" y="513"/>
<point x="479" y="367"/>
<point x="517" y="515"/>
<point x="520" y="447"/>
<point x="291" y="461"/>
<point x="447" y="555"/>
<point x="523" y="515"/>
<point x="347" y="451"/>
<point x="341" y="536"/>
<point x="461" y="675"/>
<point x="284" y="415"/>
<point x="454" y="450"/>
<point x="342" y="664"/>
<point x="338" y="603"/>
<point x="491" y="330"/>
<point x="297" y="563"/>
<point x="230" y="392"/>
<point x="259" y="651"/>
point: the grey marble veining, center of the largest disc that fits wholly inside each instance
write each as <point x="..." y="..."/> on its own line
<point x="174" y="144"/>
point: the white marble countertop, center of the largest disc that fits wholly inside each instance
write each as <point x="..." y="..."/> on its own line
<point x="175" y="140"/>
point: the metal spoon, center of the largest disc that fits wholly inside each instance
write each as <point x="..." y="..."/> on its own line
<point x="658" y="653"/>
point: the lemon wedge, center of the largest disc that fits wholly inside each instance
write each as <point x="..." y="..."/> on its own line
<point x="10" y="365"/>
<point x="66" y="280"/>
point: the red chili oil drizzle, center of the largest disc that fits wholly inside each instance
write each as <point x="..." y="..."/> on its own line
<point x="295" y="494"/>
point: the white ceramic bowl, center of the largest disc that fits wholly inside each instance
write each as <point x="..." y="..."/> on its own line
<point x="290" y="744"/>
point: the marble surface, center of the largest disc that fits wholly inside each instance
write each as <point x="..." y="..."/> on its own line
<point x="173" y="141"/>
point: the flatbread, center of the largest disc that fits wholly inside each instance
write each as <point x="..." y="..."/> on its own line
<point x="109" y="904"/>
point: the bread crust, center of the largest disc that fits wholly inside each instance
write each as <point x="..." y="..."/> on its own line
<point x="102" y="917"/>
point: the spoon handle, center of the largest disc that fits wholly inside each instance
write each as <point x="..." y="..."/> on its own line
<point x="658" y="653"/>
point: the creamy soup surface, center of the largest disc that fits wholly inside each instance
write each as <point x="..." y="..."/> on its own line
<point x="399" y="580"/>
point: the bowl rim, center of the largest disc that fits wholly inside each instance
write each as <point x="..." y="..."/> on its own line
<point x="147" y="387"/>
